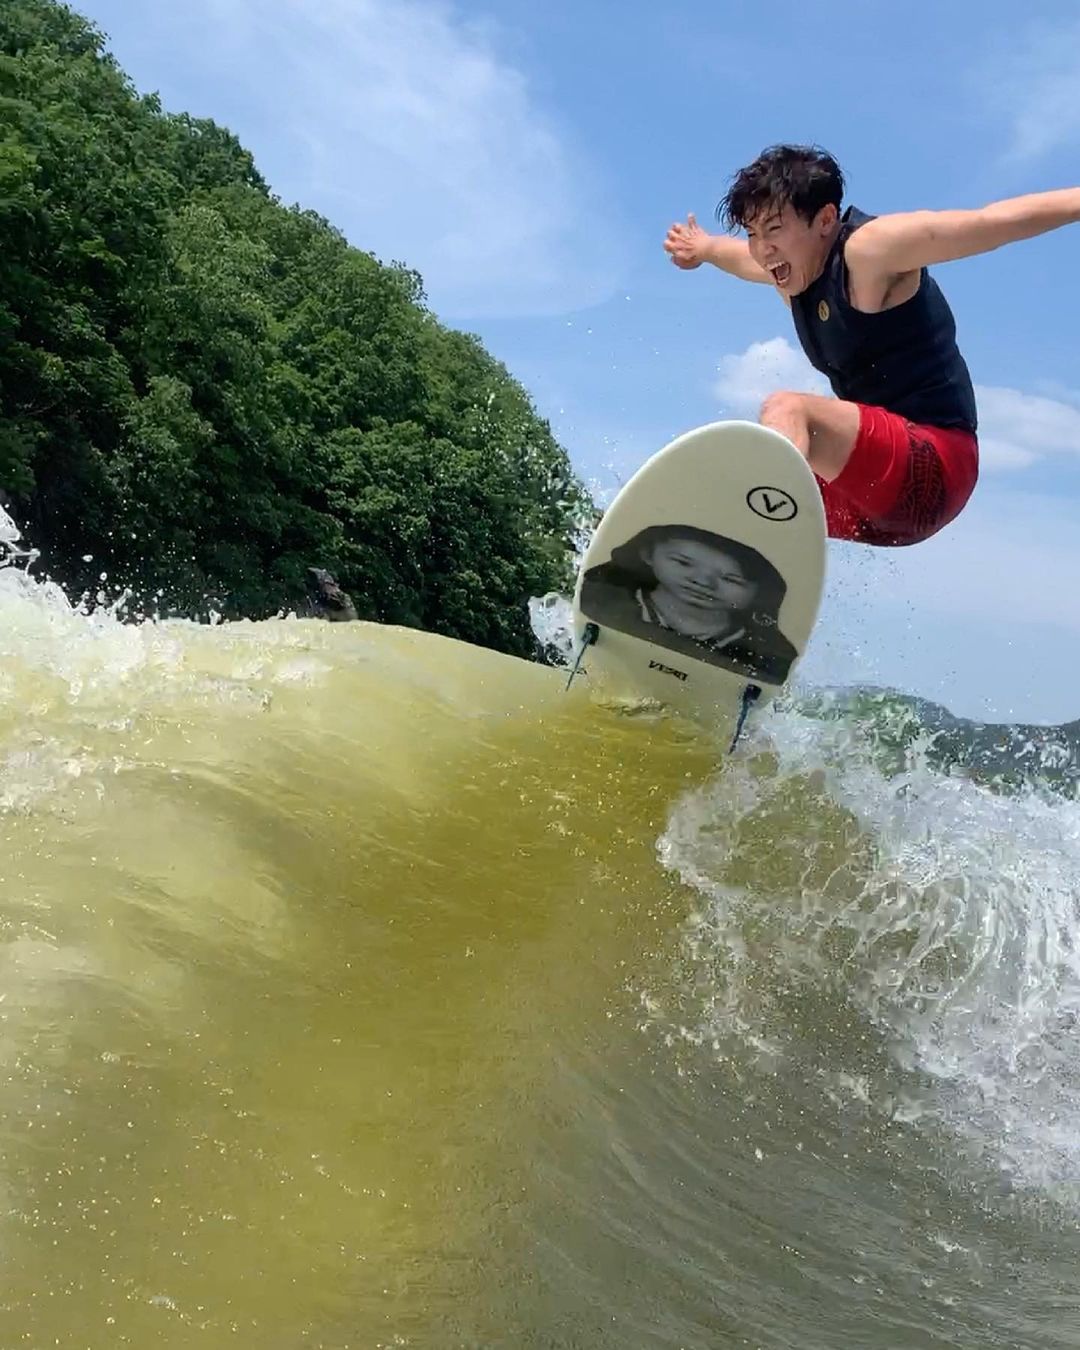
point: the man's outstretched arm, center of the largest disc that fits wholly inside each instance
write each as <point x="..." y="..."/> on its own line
<point x="908" y="241"/>
<point x="690" y="246"/>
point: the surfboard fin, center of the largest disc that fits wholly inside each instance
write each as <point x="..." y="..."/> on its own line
<point x="588" y="637"/>
<point x="751" y="694"/>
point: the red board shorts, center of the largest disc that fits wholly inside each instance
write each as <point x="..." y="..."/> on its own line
<point x="903" y="481"/>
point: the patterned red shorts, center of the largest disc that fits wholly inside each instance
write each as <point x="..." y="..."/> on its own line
<point x="902" y="483"/>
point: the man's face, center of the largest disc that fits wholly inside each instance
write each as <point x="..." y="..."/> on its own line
<point x="790" y="249"/>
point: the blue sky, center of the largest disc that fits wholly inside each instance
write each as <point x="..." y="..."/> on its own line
<point x="527" y="160"/>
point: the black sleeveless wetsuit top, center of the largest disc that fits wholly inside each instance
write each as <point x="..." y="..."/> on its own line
<point x="904" y="359"/>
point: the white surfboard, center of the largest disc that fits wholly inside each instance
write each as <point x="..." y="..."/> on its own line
<point x="704" y="578"/>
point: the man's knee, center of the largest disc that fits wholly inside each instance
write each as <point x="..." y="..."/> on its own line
<point x="782" y="406"/>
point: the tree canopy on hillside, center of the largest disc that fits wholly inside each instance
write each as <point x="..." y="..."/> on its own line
<point x="204" y="392"/>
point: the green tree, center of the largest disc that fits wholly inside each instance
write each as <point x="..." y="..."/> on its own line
<point x="208" y="392"/>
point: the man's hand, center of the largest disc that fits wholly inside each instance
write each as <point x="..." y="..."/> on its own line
<point x="688" y="244"/>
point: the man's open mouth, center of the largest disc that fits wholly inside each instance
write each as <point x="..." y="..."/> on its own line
<point x="781" y="273"/>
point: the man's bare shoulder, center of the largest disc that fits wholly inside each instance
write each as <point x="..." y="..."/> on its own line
<point x="874" y="283"/>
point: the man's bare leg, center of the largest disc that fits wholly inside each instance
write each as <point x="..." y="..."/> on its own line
<point x="823" y="430"/>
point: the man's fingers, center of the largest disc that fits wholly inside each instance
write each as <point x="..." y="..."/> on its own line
<point x="679" y="233"/>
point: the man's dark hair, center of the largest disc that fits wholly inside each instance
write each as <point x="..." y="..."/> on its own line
<point x="802" y="176"/>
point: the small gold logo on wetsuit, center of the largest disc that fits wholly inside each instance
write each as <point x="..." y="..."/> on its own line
<point x="823" y="310"/>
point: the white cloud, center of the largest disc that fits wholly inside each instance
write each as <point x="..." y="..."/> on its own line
<point x="411" y="130"/>
<point x="982" y="617"/>
<point x="1034" y="86"/>
<point x="1008" y="560"/>
<point x="745" y="379"/>
<point x="1015" y="429"/>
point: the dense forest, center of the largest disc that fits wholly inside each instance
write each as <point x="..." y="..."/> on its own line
<point x="204" y="392"/>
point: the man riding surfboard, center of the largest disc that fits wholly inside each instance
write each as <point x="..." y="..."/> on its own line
<point x="895" y="452"/>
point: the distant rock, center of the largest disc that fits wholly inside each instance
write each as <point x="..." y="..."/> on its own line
<point x="325" y="598"/>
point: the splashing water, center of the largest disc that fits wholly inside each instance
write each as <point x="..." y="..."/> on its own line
<point x="324" y="954"/>
<point x="936" y="911"/>
<point x="11" y="550"/>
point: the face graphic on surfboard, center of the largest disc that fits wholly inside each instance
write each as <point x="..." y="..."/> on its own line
<point x="700" y="588"/>
<point x="687" y="589"/>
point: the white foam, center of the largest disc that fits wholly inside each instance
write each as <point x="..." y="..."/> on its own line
<point x="948" y="919"/>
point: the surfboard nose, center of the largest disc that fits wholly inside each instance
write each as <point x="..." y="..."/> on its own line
<point x="705" y="576"/>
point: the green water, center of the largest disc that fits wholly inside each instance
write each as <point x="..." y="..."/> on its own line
<point x="360" y="988"/>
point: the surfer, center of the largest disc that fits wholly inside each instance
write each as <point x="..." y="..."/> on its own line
<point x="895" y="452"/>
<point x="696" y="592"/>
